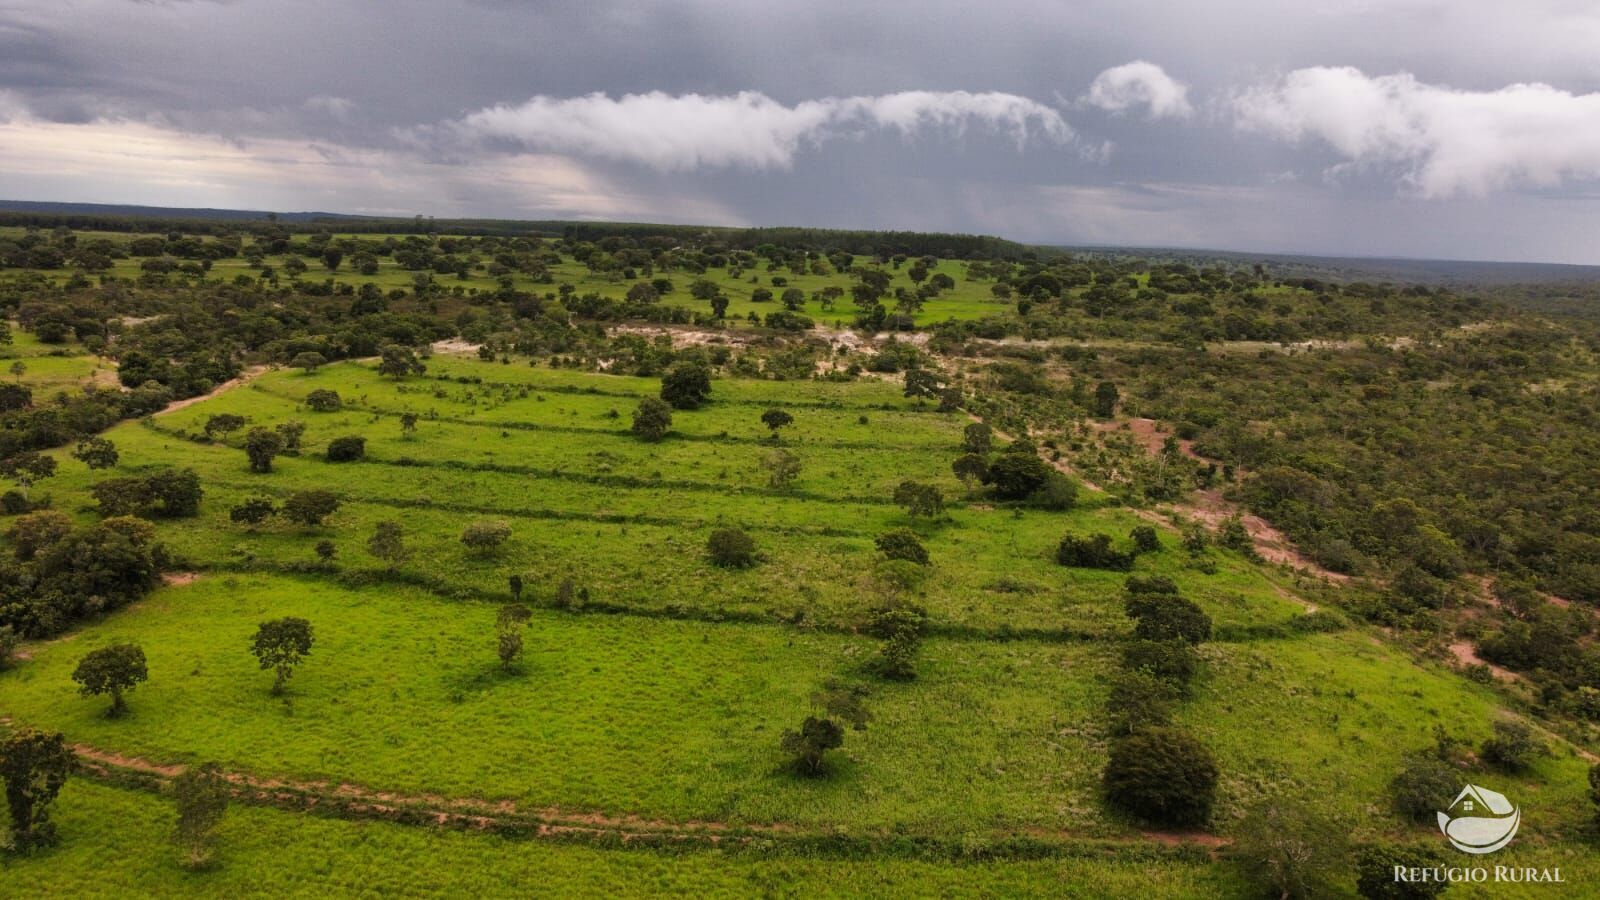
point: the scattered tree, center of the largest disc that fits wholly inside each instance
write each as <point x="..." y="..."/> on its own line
<point x="349" y="448"/>
<point x="408" y="425"/>
<point x="309" y="361"/>
<point x="111" y="670"/>
<point x="398" y="361"/>
<point x="1163" y="775"/>
<point x="1291" y="850"/>
<point x="388" y="543"/>
<point x="811" y="742"/>
<point x="291" y="432"/>
<point x="782" y="468"/>
<point x="508" y="626"/>
<point x="28" y="469"/>
<point x="775" y="419"/>
<point x="252" y="512"/>
<point x="652" y="420"/>
<point x="34" y="767"/>
<point x="1512" y="748"/>
<point x="222" y="425"/>
<point x="201" y="795"/>
<point x="902" y="543"/>
<point x="280" y="645"/>
<point x="977" y="438"/>
<point x="686" y="385"/>
<point x="920" y="499"/>
<point x="96" y="453"/>
<point x="310" y="508"/>
<point x="262" y="445"/>
<point x="323" y="400"/>
<point x="1145" y="539"/>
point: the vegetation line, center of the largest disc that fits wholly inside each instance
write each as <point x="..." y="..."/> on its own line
<point x="518" y="425"/>
<point x="506" y="819"/>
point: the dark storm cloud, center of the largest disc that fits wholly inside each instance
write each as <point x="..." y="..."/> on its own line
<point x="1368" y="126"/>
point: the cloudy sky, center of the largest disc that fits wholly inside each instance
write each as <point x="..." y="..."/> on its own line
<point x="1440" y="128"/>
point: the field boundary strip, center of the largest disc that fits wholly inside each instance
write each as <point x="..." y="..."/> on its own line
<point x="507" y="819"/>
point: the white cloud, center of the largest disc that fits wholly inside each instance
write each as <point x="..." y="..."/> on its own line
<point x="1443" y="142"/>
<point x="744" y="130"/>
<point x="1140" y="84"/>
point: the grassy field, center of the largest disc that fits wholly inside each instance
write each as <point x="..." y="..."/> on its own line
<point x="665" y="694"/>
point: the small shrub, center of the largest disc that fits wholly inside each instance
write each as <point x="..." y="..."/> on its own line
<point x="347" y="449"/>
<point x="485" y="536"/>
<point x="322" y="400"/>
<point x="1423" y="786"/>
<point x="902" y="543"/>
<point x="1145" y="539"/>
<point x="1092" y="552"/>
<point x="731" y="548"/>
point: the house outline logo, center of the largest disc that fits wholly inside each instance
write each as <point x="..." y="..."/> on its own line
<point x="1480" y="820"/>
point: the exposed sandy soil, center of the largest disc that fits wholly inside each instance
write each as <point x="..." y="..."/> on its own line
<point x="224" y="387"/>
<point x="1467" y="655"/>
<point x="179" y="579"/>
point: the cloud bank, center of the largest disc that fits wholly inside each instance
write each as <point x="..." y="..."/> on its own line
<point x="1140" y="84"/>
<point x="675" y="133"/>
<point x="1441" y="141"/>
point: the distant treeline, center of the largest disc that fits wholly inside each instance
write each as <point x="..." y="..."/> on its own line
<point x="216" y="223"/>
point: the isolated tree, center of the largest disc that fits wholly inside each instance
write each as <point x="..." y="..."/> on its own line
<point x="1163" y="775"/>
<point x="1105" y="399"/>
<point x="900" y="627"/>
<point x="310" y="508"/>
<point x="977" y="438"/>
<point x="111" y="670"/>
<point x="349" y="448"/>
<point x="291" y="432"/>
<point x="810" y="743"/>
<point x="731" y="548"/>
<point x="775" y="419"/>
<point x="919" y="499"/>
<point x="782" y="468"/>
<point x="652" y="420"/>
<point x="37" y="532"/>
<point x="262" y="445"/>
<point x="902" y="543"/>
<point x="19" y="369"/>
<point x="1291" y="849"/>
<point x="326" y="551"/>
<point x="408" y="424"/>
<point x="1423" y="782"/>
<point x="485" y="536"/>
<point x="310" y="361"/>
<point x="280" y="645"/>
<point x="28" y="469"/>
<point x="686" y="385"/>
<point x="397" y="361"/>
<point x="515" y="584"/>
<point x="201" y="795"/>
<point x="252" y="512"/>
<point x="331" y="258"/>
<point x="323" y="400"/>
<point x="96" y="453"/>
<point x="34" y="766"/>
<point x="508" y="627"/>
<point x="222" y="424"/>
<point x="388" y="543"/>
<point x="719" y="306"/>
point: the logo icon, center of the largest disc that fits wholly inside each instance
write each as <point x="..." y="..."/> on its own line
<point x="1480" y="820"/>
